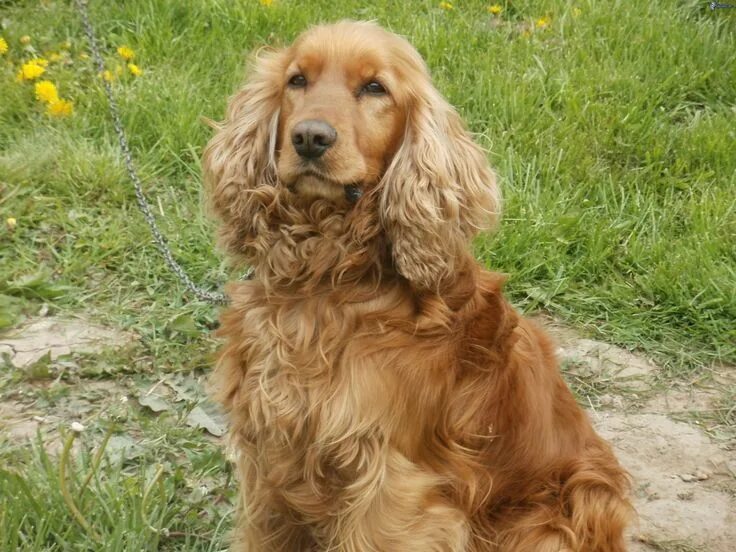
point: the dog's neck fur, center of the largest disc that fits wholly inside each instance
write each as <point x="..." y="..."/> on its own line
<point x="306" y="245"/>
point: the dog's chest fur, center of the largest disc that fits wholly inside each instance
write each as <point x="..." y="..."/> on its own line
<point x="314" y="387"/>
<point x="341" y="406"/>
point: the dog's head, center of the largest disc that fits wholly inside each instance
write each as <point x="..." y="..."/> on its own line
<point x="349" y="111"/>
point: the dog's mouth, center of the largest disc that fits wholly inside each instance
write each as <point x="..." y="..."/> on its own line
<point x="313" y="183"/>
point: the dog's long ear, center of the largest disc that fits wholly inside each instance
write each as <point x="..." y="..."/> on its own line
<point x="239" y="161"/>
<point x="438" y="192"/>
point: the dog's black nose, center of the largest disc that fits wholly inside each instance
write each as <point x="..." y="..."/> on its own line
<point x="313" y="137"/>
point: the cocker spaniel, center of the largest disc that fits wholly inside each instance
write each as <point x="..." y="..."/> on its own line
<point x="382" y="394"/>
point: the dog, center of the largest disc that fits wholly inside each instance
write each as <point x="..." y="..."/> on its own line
<point x="382" y="394"/>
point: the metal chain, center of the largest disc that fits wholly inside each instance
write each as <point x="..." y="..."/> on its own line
<point x="158" y="238"/>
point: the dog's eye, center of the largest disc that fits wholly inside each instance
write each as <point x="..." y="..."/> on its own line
<point x="375" y="88"/>
<point x="298" y="81"/>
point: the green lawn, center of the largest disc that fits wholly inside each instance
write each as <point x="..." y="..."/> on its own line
<point x="612" y="126"/>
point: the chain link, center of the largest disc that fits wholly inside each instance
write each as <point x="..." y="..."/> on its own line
<point x="158" y="238"/>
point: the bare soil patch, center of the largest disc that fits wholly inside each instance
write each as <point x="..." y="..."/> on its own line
<point x="56" y="337"/>
<point x="684" y="480"/>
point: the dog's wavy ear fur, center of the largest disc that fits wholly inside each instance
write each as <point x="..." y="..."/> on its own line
<point x="239" y="161"/>
<point x="437" y="193"/>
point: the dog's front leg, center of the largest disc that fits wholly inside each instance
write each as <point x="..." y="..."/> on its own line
<point x="394" y="505"/>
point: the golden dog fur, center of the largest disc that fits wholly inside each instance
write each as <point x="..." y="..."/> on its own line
<point x="382" y="394"/>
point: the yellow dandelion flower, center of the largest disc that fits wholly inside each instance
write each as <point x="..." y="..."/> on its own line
<point x="54" y="57"/>
<point x="266" y="2"/>
<point x="66" y="45"/>
<point x="495" y="9"/>
<point x="542" y="22"/>
<point x="60" y="108"/>
<point x="43" y="62"/>
<point x="25" y="39"/>
<point x="46" y="92"/>
<point x="108" y="75"/>
<point x="576" y="12"/>
<point x="3" y="46"/>
<point x="134" y="70"/>
<point x="126" y="53"/>
<point x="447" y="6"/>
<point x="11" y="222"/>
<point x="30" y="71"/>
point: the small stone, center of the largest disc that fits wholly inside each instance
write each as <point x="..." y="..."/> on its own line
<point x="77" y="427"/>
<point x="693" y="477"/>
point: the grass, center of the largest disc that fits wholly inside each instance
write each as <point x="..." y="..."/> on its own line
<point x="148" y="504"/>
<point x="611" y="129"/>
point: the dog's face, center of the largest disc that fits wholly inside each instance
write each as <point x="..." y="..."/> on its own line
<point x="348" y="115"/>
<point x="341" y="120"/>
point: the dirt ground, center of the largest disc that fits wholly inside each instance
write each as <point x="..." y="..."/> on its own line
<point x="684" y="477"/>
<point x="683" y="467"/>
